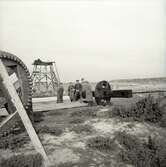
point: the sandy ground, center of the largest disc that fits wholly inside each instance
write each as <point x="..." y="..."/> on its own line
<point x="71" y="147"/>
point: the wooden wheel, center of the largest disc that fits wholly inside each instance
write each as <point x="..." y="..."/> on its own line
<point x="21" y="79"/>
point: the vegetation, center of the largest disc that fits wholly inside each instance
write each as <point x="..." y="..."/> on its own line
<point x="38" y="117"/>
<point x="147" y="109"/>
<point x="76" y="120"/>
<point x="132" y="150"/>
<point x="13" y="141"/>
<point x="140" y="153"/>
<point x="82" y="128"/>
<point x="22" y="160"/>
<point x="87" y="111"/>
<point x="51" y="130"/>
<point x="102" y="143"/>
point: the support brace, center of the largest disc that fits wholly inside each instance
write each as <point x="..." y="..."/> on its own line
<point x="11" y="91"/>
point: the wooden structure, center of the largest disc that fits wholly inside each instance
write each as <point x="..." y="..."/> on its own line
<point x="16" y="103"/>
<point x="45" y="78"/>
<point x="20" y="77"/>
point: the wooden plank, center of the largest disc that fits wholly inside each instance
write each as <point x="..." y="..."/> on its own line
<point x="52" y="105"/>
<point x="21" y="111"/>
<point x="8" y="122"/>
<point x="9" y="105"/>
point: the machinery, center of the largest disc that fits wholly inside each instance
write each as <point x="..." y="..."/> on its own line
<point x="16" y="97"/>
<point x="103" y="93"/>
<point x="21" y="79"/>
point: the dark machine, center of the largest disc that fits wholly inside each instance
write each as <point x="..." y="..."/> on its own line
<point x="103" y="93"/>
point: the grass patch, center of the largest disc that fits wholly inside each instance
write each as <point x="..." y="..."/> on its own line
<point x="147" y="109"/>
<point x="38" y="117"/>
<point x="102" y="143"/>
<point x="22" y="160"/>
<point x="76" y="120"/>
<point x="88" y="111"/>
<point x="82" y="129"/>
<point x="51" y="130"/>
<point x="13" y="141"/>
<point x="57" y="113"/>
<point x="67" y="164"/>
<point x="162" y="122"/>
<point x="140" y="153"/>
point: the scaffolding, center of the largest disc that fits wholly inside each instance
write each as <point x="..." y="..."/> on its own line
<point x="45" y="78"/>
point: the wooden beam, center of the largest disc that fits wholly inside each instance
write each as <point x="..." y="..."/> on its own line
<point x="2" y="101"/>
<point x="8" y="122"/>
<point x="21" y="111"/>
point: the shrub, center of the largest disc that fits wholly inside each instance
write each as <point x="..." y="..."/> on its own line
<point x="66" y="164"/>
<point x="88" y="111"/>
<point x="51" y="130"/>
<point x="163" y="121"/>
<point x="13" y="141"/>
<point x="102" y="143"/>
<point x="141" y="154"/>
<point x="147" y="109"/>
<point x="76" y="120"/>
<point x="22" y="160"/>
<point x="82" y="128"/>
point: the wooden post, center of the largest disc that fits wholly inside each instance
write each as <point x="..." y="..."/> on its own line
<point x="21" y="111"/>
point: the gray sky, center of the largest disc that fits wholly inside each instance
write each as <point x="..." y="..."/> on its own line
<point x="91" y="39"/>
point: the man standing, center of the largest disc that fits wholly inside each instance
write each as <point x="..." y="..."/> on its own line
<point x="78" y="90"/>
<point x="71" y="91"/>
<point x="60" y="93"/>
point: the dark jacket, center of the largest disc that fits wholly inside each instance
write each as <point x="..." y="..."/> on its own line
<point x="78" y="87"/>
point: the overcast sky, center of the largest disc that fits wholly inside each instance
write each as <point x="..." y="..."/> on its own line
<point x="91" y="39"/>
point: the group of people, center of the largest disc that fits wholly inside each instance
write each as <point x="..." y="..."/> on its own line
<point x="80" y="91"/>
<point x="77" y="91"/>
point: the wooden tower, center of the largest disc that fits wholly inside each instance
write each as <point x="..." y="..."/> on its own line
<point x="45" y="78"/>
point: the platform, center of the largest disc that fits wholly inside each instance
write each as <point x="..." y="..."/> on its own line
<point x="49" y="103"/>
